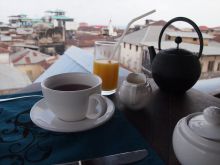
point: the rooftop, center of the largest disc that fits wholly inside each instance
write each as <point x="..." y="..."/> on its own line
<point x="203" y="28"/>
<point x="188" y="34"/>
<point x="150" y="33"/>
<point x="11" y="78"/>
<point x="27" y="56"/>
<point x="22" y="45"/>
<point x="217" y="38"/>
<point x="4" y="45"/>
<point x="207" y="50"/>
<point x="62" y="17"/>
<point x="55" y="11"/>
<point x="217" y="28"/>
<point x="163" y="23"/>
<point x="84" y="40"/>
<point x="4" y="50"/>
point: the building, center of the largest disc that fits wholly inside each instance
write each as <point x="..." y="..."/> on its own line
<point x="216" y="30"/>
<point x="51" y="33"/>
<point x="5" y="38"/>
<point x="210" y="59"/>
<point x="59" y="19"/>
<point x="31" y="62"/>
<point x="188" y="37"/>
<point x="84" y="40"/>
<point x="11" y="79"/>
<point x="110" y="30"/>
<point x="135" y="56"/>
<point x="92" y="30"/>
<point x="132" y="49"/>
<point x="4" y="29"/>
<point x="20" y="20"/>
<point x="83" y="24"/>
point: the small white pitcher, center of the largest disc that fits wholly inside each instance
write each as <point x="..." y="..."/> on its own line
<point x="135" y="91"/>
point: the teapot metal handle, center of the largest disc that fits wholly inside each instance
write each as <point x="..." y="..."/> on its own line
<point x="191" y="23"/>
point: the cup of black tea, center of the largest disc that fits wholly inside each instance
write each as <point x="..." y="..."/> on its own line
<point x="74" y="96"/>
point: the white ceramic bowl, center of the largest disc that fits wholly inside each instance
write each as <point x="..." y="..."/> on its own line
<point x="192" y="146"/>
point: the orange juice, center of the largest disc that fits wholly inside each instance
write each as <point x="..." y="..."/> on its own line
<point x="108" y="71"/>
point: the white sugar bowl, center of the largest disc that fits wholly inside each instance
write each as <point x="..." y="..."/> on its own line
<point x="196" y="138"/>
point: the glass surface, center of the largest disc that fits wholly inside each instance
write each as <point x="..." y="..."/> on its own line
<point x="38" y="30"/>
<point x="105" y="67"/>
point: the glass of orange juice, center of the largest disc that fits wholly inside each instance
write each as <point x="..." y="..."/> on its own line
<point x="105" y="66"/>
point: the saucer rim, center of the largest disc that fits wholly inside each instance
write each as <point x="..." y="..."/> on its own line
<point x="106" y="117"/>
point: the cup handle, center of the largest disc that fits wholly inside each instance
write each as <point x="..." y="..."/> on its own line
<point x="97" y="106"/>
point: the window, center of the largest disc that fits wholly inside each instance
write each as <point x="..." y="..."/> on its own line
<point x="194" y="39"/>
<point x="210" y="66"/>
<point x="124" y="45"/>
<point x="218" y="69"/>
<point x="136" y="48"/>
<point x="201" y="66"/>
<point x="130" y="46"/>
<point x="169" y="38"/>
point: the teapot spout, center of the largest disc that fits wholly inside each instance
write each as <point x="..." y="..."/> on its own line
<point x="152" y="53"/>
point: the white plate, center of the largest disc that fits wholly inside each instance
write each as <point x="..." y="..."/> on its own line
<point x="46" y="119"/>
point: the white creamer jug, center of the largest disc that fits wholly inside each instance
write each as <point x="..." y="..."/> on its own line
<point x="135" y="91"/>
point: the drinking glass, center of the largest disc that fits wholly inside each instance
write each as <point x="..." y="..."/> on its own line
<point x="106" y="66"/>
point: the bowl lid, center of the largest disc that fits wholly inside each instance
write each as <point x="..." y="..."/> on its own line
<point x="207" y="124"/>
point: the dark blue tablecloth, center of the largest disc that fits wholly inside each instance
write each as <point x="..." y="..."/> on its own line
<point x="22" y="142"/>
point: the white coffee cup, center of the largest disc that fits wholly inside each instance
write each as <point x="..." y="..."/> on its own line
<point x="77" y="104"/>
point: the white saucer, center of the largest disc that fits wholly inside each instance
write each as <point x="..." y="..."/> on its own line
<point x="46" y="119"/>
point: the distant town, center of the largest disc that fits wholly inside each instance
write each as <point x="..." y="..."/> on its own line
<point x="29" y="46"/>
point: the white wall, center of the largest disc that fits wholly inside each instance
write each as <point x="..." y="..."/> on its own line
<point x="131" y="58"/>
<point x="72" y="26"/>
<point x="5" y="38"/>
<point x="4" y="58"/>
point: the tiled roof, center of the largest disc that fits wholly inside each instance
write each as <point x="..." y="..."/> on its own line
<point x="203" y="28"/>
<point x="163" y="23"/>
<point x="88" y="28"/>
<point x="27" y="56"/>
<point x="84" y="40"/>
<point x="150" y="33"/>
<point x="3" y="45"/>
<point x="3" y="50"/>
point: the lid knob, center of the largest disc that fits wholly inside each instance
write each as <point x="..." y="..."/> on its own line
<point x="212" y="115"/>
<point x="178" y="40"/>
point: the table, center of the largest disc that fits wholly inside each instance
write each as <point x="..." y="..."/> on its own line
<point x="157" y="120"/>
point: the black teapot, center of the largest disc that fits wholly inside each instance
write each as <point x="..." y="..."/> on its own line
<point x="176" y="70"/>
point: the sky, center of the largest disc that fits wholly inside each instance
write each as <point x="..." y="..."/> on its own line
<point x="94" y="12"/>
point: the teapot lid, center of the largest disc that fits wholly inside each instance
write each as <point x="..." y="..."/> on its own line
<point x="176" y="51"/>
<point x="207" y="124"/>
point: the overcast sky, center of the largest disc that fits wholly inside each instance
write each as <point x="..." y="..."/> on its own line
<point x="203" y="12"/>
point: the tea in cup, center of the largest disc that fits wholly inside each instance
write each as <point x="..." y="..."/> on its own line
<point x="74" y="96"/>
